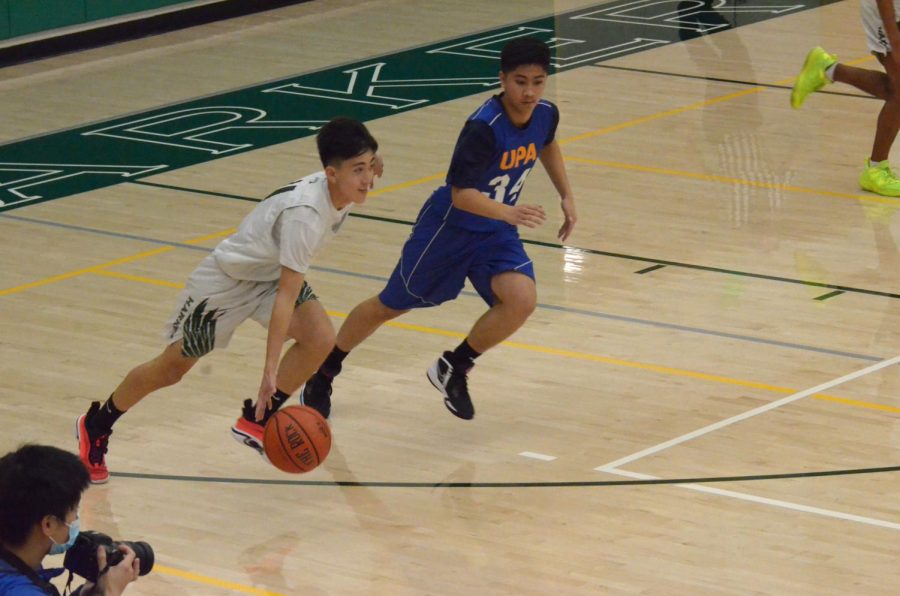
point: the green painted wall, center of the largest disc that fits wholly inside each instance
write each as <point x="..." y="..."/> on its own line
<point x="104" y="9"/>
<point x="4" y="19"/>
<point x="21" y="17"/>
<point x="30" y="16"/>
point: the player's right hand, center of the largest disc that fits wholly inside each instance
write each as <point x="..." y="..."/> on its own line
<point x="112" y="580"/>
<point x="530" y="216"/>
<point x="264" y="397"/>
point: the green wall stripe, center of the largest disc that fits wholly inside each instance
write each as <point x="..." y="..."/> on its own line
<point x="139" y="145"/>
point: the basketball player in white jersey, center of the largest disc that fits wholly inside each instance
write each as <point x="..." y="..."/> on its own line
<point x="257" y="273"/>
<point x="879" y="19"/>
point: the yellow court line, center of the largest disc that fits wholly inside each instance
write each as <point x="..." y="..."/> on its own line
<point x="666" y="370"/>
<point x="687" y="108"/>
<point x="140" y="279"/>
<point x="402" y="185"/>
<point x="658" y="115"/>
<point x="76" y="273"/>
<point x="678" y="372"/>
<point x="99" y="268"/>
<point x="211" y="581"/>
<point x="212" y="236"/>
<point x="857" y="403"/>
<point x="730" y="180"/>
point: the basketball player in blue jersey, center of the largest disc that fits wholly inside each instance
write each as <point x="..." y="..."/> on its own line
<point x="468" y="228"/>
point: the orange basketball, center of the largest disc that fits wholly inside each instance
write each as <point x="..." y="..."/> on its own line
<point x="296" y="439"/>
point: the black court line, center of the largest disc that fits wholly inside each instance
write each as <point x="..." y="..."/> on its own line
<point x="589" y="483"/>
<point x="590" y="251"/>
<point x="828" y="295"/>
<point x="552" y="307"/>
<point x="649" y="269"/>
<point x="730" y="81"/>
<point x="103" y="232"/>
<point x="197" y="191"/>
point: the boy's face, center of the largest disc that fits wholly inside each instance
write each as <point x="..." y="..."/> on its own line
<point x="350" y="181"/>
<point x="523" y="87"/>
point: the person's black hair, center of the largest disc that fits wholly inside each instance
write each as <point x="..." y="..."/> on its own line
<point x="36" y="481"/>
<point x="524" y="51"/>
<point x="342" y="139"/>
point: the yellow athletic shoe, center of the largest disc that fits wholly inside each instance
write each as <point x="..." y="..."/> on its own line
<point x="812" y="75"/>
<point x="878" y="178"/>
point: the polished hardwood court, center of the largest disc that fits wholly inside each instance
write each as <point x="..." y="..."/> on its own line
<point x="704" y="402"/>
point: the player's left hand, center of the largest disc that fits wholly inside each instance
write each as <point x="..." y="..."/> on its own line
<point x="266" y="391"/>
<point x="570" y="216"/>
<point x="378" y="166"/>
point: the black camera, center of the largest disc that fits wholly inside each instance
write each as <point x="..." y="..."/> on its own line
<point x="81" y="558"/>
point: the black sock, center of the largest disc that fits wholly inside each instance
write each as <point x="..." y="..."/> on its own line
<point x="105" y="417"/>
<point x="463" y="357"/>
<point x="278" y="399"/>
<point x="332" y="365"/>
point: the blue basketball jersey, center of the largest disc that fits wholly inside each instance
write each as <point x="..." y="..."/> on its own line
<point x="494" y="156"/>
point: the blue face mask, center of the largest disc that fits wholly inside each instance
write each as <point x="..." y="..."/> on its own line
<point x="74" y="529"/>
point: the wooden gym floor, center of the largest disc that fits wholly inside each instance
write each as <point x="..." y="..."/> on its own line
<point x="704" y="402"/>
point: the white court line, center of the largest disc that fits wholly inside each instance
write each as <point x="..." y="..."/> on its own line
<point x="610" y="467"/>
<point x="539" y="456"/>
<point x="767" y="501"/>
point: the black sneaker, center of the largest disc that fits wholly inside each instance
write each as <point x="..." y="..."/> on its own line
<point x="455" y="387"/>
<point x="316" y="394"/>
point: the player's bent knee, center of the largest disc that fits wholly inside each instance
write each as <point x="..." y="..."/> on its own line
<point x="524" y="307"/>
<point x="323" y="341"/>
<point x="172" y="374"/>
<point x="171" y="366"/>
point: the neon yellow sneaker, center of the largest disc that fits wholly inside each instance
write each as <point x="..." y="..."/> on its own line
<point x="878" y="178"/>
<point x="812" y="75"/>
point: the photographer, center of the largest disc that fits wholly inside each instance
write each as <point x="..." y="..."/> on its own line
<point x="40" y="490"/>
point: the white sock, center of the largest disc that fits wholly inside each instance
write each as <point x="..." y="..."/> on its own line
<point x="829" y="72"/>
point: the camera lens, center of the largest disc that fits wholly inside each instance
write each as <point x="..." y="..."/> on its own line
<point x="144" y="552"/>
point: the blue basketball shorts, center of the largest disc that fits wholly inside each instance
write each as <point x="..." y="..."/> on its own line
<point x="438" y="257"/>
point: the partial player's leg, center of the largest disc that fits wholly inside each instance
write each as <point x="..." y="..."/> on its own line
<point x="514" y="299"/>
<point x="873" y="82"/>
<point x="313" y="336"/>
<point x="94" y="428"/>
<point x="209" y="309"/>
<point x="362" y="322"/>
<point x="432" y="269"/>
<point x="821" y="68"/>
<point x="878" y="177"/>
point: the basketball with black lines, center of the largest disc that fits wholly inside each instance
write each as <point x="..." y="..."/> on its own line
<point x="296" y="439"/>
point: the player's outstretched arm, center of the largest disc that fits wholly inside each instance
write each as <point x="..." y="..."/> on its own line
<point x="475" y="201"/>
<point x="289" y="285"/>
<point x="552" y="160"/>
